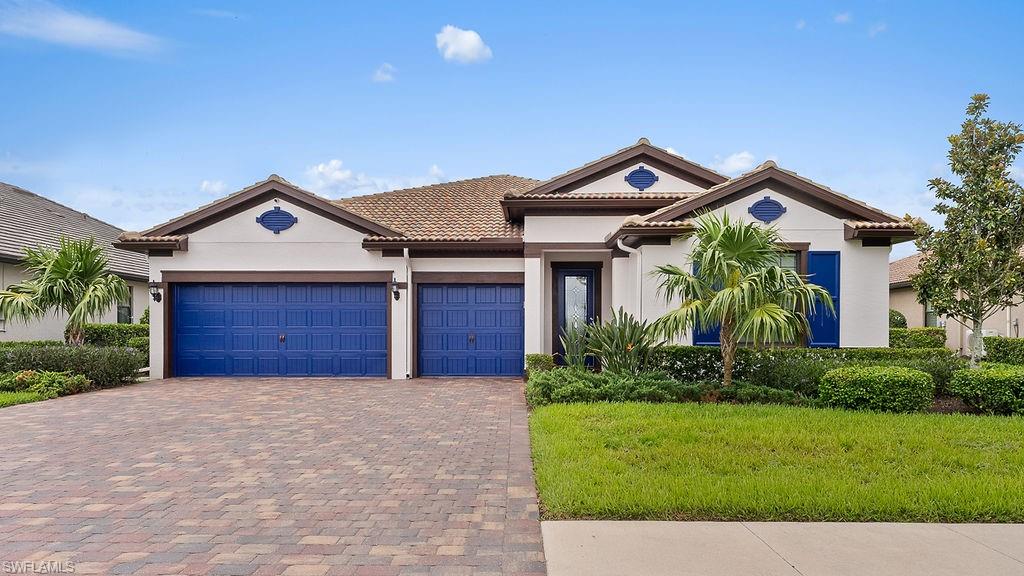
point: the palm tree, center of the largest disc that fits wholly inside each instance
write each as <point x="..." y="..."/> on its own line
<point x="738" y="285"/>
<point x="73" y="280"/>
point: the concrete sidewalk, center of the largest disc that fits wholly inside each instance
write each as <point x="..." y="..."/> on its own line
<point x="782" y="548"/>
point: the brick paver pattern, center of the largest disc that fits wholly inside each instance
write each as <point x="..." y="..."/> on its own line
<point x="272" y="476"/>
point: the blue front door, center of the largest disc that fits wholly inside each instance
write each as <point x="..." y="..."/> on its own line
<point x="279" y="329"/>
<point x="823" y="270"/>
<point x="470" y="329"/>
<point x="575" y="293"/>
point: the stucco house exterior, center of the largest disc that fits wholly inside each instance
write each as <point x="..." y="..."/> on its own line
<point x="902" y="297"/>
<point x="464" y="278"/>
<point x="30" y="220"/>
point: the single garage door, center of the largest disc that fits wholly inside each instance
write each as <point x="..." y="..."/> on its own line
<point x="470" y="329"/>
<point x="280" y="329"/>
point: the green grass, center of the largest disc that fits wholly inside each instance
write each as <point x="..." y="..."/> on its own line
<point x="12" y="398"/>
<point x="729" y="462"/>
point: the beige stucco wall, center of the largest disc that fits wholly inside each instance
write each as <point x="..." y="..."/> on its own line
<point x="616" y="182"/>
<point x="52" y="326"/>
<point x="1001" y="323"/>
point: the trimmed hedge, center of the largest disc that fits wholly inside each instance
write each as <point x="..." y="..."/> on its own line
<point x="897" y="319"/>
<point x="140" y="343"/>
<point x="1004" y="350"/>
<point x="539" y="363"/>
<point x="44" y="384"/>
<point x="112" y="334"/>
<point x="883" y="388"/>
<point x="104" y="366"/>
<point x="993" y="388"/>
<point x="31" y="343"/>
<point x="800" y="369"/>
<point x="917" y="337"/>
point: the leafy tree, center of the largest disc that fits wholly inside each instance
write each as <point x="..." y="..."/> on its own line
<point x="737" y="284"/>
<point x="72" y="280"/>
<point x="973" y="266"/>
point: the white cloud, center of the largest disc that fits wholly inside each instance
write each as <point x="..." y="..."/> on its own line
<point x="843" y="18"/>
<point x="216" y="13"/>
<point x="465" y="46"/>
<point x="384" y="73"/>
<point x="801" y="24"/>
<point x="672" y="150"/>
<point x="47" y="22"/>
<point x="877" y="28"/>
<point x="734" y="163"/>
<point x="212" y="187"/>
<point x="335" y="180"/>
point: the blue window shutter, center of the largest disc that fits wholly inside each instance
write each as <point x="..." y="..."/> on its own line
<point x="823" y="270"/>
<point x="708" y="337"/>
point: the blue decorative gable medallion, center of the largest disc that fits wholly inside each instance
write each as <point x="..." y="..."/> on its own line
<point x="276" y="220"/>
<point x="641" y="178"/>
<point x="766" y="210"/>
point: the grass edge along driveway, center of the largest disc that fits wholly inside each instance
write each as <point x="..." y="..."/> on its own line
<point x="731" y="462"/>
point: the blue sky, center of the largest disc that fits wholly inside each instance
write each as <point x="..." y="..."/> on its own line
<point x="138" y="111"/>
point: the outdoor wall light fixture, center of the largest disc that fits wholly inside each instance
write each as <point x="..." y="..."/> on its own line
<point x="154" y="291"/>
<point x="394" y="288"/>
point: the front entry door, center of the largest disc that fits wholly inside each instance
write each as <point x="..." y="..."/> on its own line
<point x="575" y="293"/>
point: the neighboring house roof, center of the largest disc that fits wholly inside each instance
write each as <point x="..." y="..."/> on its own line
<point x="901" y="270"/>
<point x="462" y="210"/>
<point x="31" y="220"/>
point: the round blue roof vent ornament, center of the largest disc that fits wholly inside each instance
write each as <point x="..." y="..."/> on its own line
<point x="276" y="220"/>
<point x="767" y="210"/>
<point x="641" y="178"/>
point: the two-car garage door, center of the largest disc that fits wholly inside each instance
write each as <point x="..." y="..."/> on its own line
<point x="250" y="329"/>
<point x="341" y="329"/>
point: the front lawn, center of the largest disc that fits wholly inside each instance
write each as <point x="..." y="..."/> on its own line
<point x="755" y="462"/>
<point x="12" y="398"/>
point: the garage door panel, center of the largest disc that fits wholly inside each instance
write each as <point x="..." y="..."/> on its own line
<point x="470" y="329"/>
<point x="235" y="329"/>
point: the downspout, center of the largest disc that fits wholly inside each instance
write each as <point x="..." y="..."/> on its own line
<point x="408" y="314"/>
<point x="639" y="276"/>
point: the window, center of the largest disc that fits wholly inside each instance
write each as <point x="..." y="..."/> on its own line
<point x="931" y="319"/>
<point x="124" y="309"/>
<point x="788" y="261"/>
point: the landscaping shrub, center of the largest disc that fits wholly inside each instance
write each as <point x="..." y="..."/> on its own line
<point x="13" y="398"/>
<point x="568" y="385"/>
<point x="28" y="343"/>
<point x="800" y="369"/>
<point x="917" y="337"/>
<point x="896" y="319"/>
<point x="623" y="344"/>
<point x="574" y="346"/>
<point x="112" y="334"/>
<point x="145" y="317"/>
<point x="104" y="366"/>
<point x="742" y="393"/>
<point x="140" y="343"/>
<point x="1005" y="350"/>
<point x="884" y="388"/>
<point x="44" y="384"/>
<point x="539" y="363"/>
<point x="993" y="388"/>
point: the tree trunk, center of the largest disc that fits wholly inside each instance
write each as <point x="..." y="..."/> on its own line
<point x="976" y="343"/>
<point x="728" y="345"/>
<point x="76" y="336"/>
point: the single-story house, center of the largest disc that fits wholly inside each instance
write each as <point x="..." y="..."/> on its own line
<point x="31" y="221"/>
<point x="903" y="298"/>
<point x="464" y="278"/>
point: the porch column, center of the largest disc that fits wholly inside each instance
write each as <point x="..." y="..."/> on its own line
<point x="533" y="304"/>
<point x="624" y="288"/>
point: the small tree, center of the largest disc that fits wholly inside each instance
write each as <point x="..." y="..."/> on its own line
<point x="973" y="266"/>
<point x="738" y="285"/>
<point x="73" y="280"/>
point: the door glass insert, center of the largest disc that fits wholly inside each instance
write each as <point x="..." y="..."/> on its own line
<point x="575" y="303"/>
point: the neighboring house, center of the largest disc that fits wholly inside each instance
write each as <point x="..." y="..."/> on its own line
<point x="464" y="278"/>
<point x="903" y="297"/>
<point x="29" y="220"/>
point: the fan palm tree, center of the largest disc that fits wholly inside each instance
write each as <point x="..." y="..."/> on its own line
<point x="73" y="280"/>
<point x="737" y="285"/>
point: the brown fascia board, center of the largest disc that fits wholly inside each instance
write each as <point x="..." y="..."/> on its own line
<point x="254" y="195"/>
<point x="633" y="233"/>
<point x="655" y="156"/>
<point x="897" y="234"/>
<point x="901" y="284"/>
<point x="144" y="246"/>
<point x="516" y="208"/>
<point x="687" y="206"/>
<point x="481" y="245"/>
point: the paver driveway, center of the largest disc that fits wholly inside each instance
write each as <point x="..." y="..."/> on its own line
<point x="272" y="476"/>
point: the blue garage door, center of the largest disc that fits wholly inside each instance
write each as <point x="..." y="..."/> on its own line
<point x="280" y="329"/>
<point x="470" y="330"/>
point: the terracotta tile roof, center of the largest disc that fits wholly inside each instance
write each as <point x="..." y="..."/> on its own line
<point x="900" y="270"/>
<point x="862" y="224"/>
<point x="639" y="222"/>
<point x="31" y="220"/>
<point x="460" y="210"/>
<point x="605" y="195"/>
<point x="129" y="237"/>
